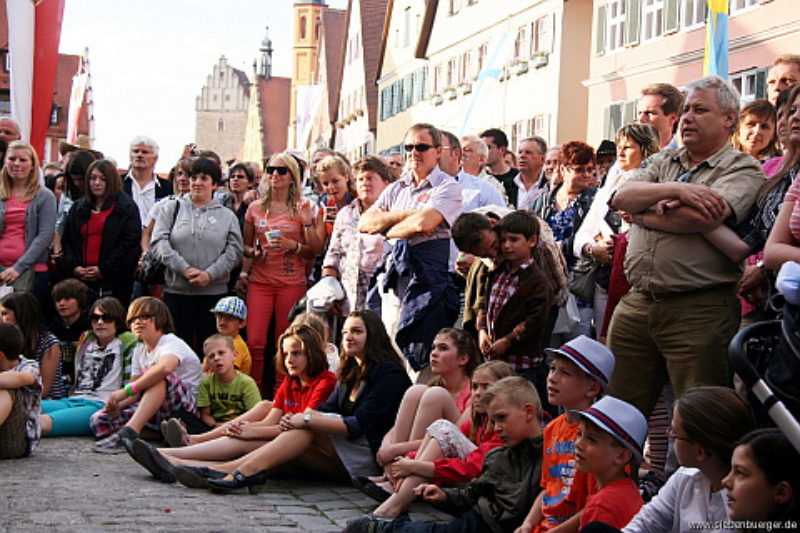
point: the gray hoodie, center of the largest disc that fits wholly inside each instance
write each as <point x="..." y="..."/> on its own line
<point x="207" y="238"/>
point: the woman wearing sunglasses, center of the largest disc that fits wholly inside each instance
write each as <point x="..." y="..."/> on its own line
<point x="280" y="231"/>
<point x="102" y="365"/>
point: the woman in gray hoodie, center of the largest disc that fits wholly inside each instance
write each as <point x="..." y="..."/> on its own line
<point x="199" y="242"/>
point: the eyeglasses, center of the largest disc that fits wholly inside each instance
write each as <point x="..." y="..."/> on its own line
<point x="100" y="317"/>
<point x="243" y="177"/>
<point x="588" y="169"/>
<point x="672" y="436"/>
<point x="282" y="171"/>
<point x="146" y="316"/>
<point x="421" y="147"/>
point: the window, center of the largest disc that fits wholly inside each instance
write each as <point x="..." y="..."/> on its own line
<point x="6" y="61"/>
<point x="303" y="24"/>
<point x="616" y="115"/>
<point x="482" y="51"/>
<point x="452" y="73"/>
<point x="751" y="84"/>
<point x="54" y="115"/>
<point x="540" y="126"/>
<point x="220" y="125"/>
<point x="522" y="43"/>
<point x="693" y="13"/>
<point x="616" y="25"/>
<point x="542" y="34"/>
<point x="652" y="13"/>
<point x="741" y="5"/>
<point x="438" y="78"/>
<point x="466" y="66"/>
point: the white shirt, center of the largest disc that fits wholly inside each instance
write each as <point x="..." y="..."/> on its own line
<point x="684" y="500"/>
<point x="189" y="369"/>
<point x="144" y="197"/>
<point x="525" y="197"/>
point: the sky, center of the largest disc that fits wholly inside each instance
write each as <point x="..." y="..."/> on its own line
<point x="149" y="60"/>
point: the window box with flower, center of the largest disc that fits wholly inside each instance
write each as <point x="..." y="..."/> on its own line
<point x="450" y="93"/>
<point x="465" y="87"/>
<point x="519" y="66"/>
<point x="539" y="59"/>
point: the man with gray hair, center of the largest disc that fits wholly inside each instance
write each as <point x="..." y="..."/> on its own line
<point x="474" y="152"/>
<point x="141" y="182"/>
<point x="528" y="185"/>
<point x="678" y="318"/>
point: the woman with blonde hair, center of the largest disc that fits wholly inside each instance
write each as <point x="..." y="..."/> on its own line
<point x="280" y="231"/>
<point x="27" y="218"/>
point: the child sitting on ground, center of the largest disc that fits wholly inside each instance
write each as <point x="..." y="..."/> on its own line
<point x="511" y="323"/>
<point x="103" y="365"/>
<point x="447" y="455"/>
<point x="301" y="357"/>
<point x="579" y="374"/>
<point x="612" y="434"/>
<point x="71" y="298"/>
<point x="231" y="315"/>
<point x="223" y="395"/>
<point x="508" y="483"/>
<point x="20" y="390"/>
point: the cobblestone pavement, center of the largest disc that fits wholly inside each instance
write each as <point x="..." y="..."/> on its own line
<point x="65" y="486"/>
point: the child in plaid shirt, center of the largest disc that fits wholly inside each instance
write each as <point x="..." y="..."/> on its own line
<point x="511" y="323"/>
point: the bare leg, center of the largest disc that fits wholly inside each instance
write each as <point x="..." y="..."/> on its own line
<point x="149" y="404"/>
<point x="221" y="449"/>
<point x="46" y="421"/>
<point x="5" y="405"/>
<point x="407" y="412"/>
<point x="436" y="403"/>
<point x="256" y="414"/>
<point x="286" y="447"/>
<point x="402" y="498"/>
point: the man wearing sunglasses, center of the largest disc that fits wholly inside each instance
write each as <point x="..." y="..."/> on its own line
<point x="416" y="213"/>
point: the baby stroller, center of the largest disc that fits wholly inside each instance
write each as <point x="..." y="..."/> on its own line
<point x="766" y="356"/>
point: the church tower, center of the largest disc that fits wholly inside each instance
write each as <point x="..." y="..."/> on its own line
<point x="266" y="56"/>
<point x="307" y="30"/>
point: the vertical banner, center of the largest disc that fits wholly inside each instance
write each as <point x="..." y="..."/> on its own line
<point x="715" y="60"/>
<point x="80" y="82"/>
<point x="34" y="30"/>
<point x="498" y="52"/>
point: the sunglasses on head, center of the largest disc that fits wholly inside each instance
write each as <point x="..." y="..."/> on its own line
<point x="421" y="147"/>
<point x="100" y="317"/>
<point x="282" y="171"/>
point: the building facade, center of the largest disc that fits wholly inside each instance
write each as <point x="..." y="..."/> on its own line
<point x="513" y="65"/>
<point x="639" y="42"/>
<point x="221" y="110"/>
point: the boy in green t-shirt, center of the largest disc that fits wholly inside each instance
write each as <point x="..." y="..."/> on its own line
<point x="221" y="397"/>
<point x="227" y="393"/>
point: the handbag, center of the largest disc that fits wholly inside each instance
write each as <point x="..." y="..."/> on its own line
<point x="582" y="278"/>
<point x="151" y="269"/>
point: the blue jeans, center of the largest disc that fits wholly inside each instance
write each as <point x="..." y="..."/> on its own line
<point x="70" y="415"/>
<point x="468" y="522"/>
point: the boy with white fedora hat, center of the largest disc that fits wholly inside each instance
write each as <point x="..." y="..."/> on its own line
<point x="579" y="374"/>
<point x="612" y="433"/>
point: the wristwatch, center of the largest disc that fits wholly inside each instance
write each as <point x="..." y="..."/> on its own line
<point x="307" y="420"/>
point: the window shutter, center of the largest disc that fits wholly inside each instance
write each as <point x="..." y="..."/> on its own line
<point x="607" y="122"/>
<point x="408" y="92"/>
<point x="550" y="42"/>
<point x="629" y="114"/>
<point x="633" y="20"/>
<point x="671" y="10"/>
<point x="600" y="37"/>
<point x="395" y="98"/>
<point x="761" y="83"/>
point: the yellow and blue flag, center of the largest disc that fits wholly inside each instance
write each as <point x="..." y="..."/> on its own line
<point x="715" y="60"/>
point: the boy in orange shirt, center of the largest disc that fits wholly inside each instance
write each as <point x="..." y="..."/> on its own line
<point x="579" y="374"/>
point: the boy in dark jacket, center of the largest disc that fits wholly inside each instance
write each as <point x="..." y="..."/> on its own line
<point x="496" y="500"/>
<point x="512" y="320"/>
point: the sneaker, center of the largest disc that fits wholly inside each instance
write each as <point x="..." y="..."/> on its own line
<point x="174" y="433"/>
<point x="115" y="443"/>
<point x="155" y="463"/>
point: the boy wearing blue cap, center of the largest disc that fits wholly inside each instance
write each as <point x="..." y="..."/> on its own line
<point x="231" y="315"/>
<point x="579" y="374"/>
<point x="612" y="434"/>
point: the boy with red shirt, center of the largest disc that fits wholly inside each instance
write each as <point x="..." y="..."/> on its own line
<point x="579" y="373"/>
<point x="612" y="434"/>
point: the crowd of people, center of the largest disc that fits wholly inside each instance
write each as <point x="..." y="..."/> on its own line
<point x="496" y="331"/>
